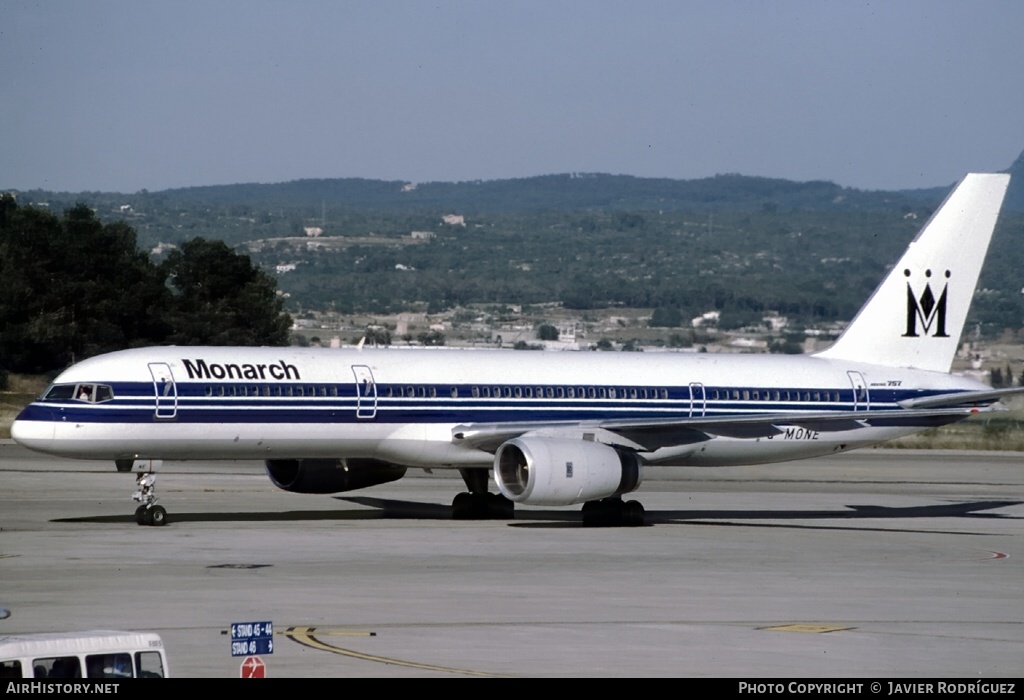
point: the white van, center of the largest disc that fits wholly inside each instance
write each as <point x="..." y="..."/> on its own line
<point x="97" y="654"/>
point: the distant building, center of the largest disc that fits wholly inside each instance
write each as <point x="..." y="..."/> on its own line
<point x="313" y="231"/>
<point x="706" y="319"/>
<point x="423" y="235"/>
<point x="454" y="220"/>
<point x="161" y="248"/>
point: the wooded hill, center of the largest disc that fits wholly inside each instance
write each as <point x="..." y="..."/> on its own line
<point x="742" y="245"/>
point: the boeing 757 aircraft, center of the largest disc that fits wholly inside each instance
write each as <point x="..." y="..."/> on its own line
<point x="555" y="429"/>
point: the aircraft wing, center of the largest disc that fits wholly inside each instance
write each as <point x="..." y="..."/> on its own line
<point x="649" y="434"/>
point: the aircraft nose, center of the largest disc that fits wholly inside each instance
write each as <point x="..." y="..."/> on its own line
<point x="33" y="428"/>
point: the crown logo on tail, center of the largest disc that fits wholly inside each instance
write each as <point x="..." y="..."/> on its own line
<point x="925" y="308"/>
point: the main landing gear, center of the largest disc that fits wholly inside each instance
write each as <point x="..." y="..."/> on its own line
<point x="477" y="503"/>
<point x="613" y="512"/>
<point x="148" y="513"/>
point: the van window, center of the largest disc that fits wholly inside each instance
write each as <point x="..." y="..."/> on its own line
<point x="116" y="665"/>
<point x="57" y="667"/>
<point x="149" y="665"/>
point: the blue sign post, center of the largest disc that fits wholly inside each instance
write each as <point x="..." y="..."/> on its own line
<point x="252" y="638"/>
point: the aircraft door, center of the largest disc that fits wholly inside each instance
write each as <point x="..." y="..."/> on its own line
<point x="366" y="392"/>
<point x="698" y="400"/>
<point x="165" y="390"/>
<point x="861" y="396"/>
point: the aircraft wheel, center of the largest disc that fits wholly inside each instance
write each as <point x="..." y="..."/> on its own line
<point x="157" y="516"/>
<point x="462" y="506"/>
<point x="140" y="515"/>
<point x="633" y="514"/>
<point x="499" y="507"/>
<point x="599" y="513"/>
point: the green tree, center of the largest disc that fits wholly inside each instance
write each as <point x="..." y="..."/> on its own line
<point x="665" y="318"/>
<point x="547" y="332"/>
<point x="72" y="287"/>
<point x="220" y="298"/>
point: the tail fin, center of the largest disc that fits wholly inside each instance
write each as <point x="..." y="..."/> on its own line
<point x="915" y="317"/>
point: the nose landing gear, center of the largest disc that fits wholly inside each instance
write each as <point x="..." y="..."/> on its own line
<point x="148" y="513"/>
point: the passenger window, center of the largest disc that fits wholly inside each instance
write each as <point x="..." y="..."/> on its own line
<point x="57" y="667"/>
<point x="108" y="666"/>
<point x="10" y="669"/>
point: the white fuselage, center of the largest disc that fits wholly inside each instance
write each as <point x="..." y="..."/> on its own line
<point x="404" y="406"/>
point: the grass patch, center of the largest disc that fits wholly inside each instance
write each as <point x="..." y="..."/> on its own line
<point x="22" y="389"/>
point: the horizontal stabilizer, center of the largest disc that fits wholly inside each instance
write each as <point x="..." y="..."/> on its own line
<point x="961" y="398"/>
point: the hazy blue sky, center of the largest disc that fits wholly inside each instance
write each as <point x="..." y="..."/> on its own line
<point x="112" y="95"/>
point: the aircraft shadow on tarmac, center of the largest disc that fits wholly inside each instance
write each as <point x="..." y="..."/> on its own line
<point x="391" y="509"/>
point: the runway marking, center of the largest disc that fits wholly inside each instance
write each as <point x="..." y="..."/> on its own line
<point x="304" y="636"/>
<point x="806" y="628"/>
<point x="320" y="632"/>
<point x="996" y="555"/>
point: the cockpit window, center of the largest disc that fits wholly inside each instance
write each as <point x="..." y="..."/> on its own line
<point x="92" y="393"/>
<point x="60" y="391"/>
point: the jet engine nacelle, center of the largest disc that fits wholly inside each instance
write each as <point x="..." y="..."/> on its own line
<point x="330" y="475"/>
<point x="561" y="472"/>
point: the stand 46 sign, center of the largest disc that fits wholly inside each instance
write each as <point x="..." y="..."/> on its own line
<point x="252" y="638"/>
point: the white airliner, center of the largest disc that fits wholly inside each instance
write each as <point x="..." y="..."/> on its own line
<point x="555" y="428"/>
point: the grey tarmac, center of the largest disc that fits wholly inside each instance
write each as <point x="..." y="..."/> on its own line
<point x="879" y="563"/>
